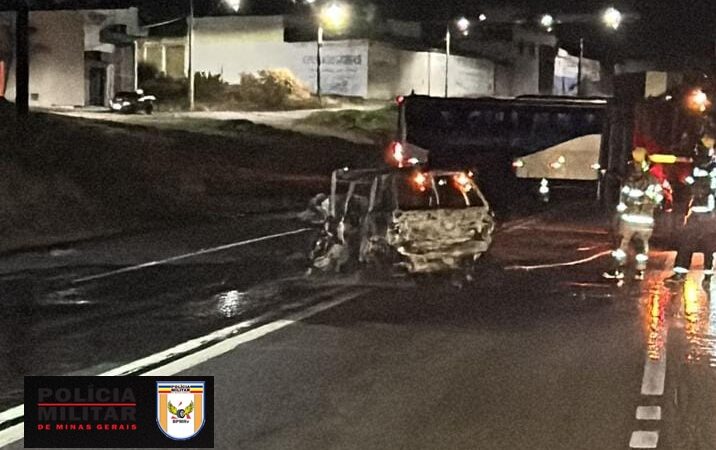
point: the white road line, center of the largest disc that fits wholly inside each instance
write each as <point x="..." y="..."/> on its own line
<point x="16" y="432"/>
<point x="189" y="255"/>
<point x="229" y="344"/>
<point x="198" y="342"/>
<point x="655" y="372"/>
<point x="654" y="375"/>
<point x="12" y="434"/>
<point x="12" y="414"/>
<point x="644" y="439"/>
<point x="555" y="229"/>
<point x="563" y="264"/>
<point x="185" y="347"/>
<point x="648" y="413"/>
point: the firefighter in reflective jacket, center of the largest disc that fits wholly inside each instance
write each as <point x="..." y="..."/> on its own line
<point x="699" y="232"/>
<point x="641" y="194"/>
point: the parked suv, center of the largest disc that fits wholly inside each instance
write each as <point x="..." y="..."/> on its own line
<point x="133" y="102"/>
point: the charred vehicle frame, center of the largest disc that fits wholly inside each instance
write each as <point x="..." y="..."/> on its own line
<point x="414" y="219"/>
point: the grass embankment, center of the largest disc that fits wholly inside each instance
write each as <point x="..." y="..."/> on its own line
<point x="67" y="178"/>
<point x="379" y="125"/>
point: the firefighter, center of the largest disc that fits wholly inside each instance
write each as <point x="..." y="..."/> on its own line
<point x="699" y="229"/>
<point x="640" y="195"/>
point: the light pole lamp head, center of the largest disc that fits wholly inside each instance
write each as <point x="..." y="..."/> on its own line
<point x="334" y="16"/>
<point x="235" y="5"/>
<point x="547" y="22"/>
<point x="612" y="18"/>
<point x="463" y="25"/>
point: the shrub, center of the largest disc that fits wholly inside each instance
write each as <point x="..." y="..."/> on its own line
<point x="146" y="71"/>
<point x="272" y="88"/>
<point x="165" y="88"/>
<point x="209" y="88"/>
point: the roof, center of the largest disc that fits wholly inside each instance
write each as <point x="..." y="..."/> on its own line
<point x="50" y="5"/>
<point x="544" y="100"/>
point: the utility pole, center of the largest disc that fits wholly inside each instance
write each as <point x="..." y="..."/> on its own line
<point x="319" y="44"/>
<point x="447" y="58"/>
<point x="22" y="59"/>
<point x="190" y="44"/>
<point x="579" y="67"/>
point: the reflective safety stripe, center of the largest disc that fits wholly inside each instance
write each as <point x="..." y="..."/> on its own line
<point x="642" y="257"/>
<point x="702" y="209"/>
<point x="638" y="219"/>
<point x="636" y="193"/>
<point x="700" y="173"/>
<point x="619" y="254"/>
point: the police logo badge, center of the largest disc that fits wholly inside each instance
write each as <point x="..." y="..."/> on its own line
<point x="180" y="408"/>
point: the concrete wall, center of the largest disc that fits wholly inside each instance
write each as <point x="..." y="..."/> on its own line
<point x="344" y="66"/>
<point x="398" y="72"/>
<point x="56" y="60"/>
<point x="566" y="68"/>
<point x="231" y="46"/>
<point x="122" y="61"/>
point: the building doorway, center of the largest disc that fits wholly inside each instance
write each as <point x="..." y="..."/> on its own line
<point x="97" y="86"/>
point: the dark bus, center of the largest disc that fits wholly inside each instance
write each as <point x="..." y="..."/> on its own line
<point x="537" y="140"/>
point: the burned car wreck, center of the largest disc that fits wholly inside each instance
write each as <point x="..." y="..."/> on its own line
<point x="410" y="220"/>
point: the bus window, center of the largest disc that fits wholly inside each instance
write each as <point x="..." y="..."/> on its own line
<point x="540" y="130"/>
<point x="476" y="121"/>
<point x="564" y="123"/>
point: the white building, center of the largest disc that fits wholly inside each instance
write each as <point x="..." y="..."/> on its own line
<point x="76" y="58"/>
<point x="233" y="45"/>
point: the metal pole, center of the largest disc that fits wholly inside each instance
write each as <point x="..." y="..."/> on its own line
<point x="430" y="68"/>
<point x="447" y="58"/>
<point x="22" y="59"/>
<point x="190" y="32"/>
<point x="579" y="67"/>
<point x="319" y="44"/>
<point x="136" y="65"/>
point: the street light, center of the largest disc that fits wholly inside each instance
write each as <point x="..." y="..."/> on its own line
<point x="334" y="17"/>
<point x="463" y="26"/>
<point x="612" y="18"/>
<point x="547" y="22"/>
<point x="234" y="4"/>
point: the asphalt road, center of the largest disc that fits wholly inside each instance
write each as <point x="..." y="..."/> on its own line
<point x="538" y="353"/>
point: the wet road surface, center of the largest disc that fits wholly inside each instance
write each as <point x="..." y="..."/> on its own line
<point x="538" y="353"/>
